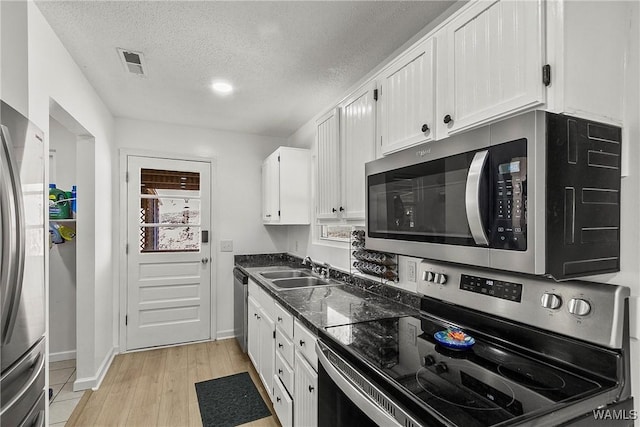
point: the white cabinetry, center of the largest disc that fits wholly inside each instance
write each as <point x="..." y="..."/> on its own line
<point x="588" y="46"/>
<point x="407" y="99"/>
<point x="357" y="142"/>
<point x="328" y="166"/>
<point x="286" y="187"/>
<point x="306" y="393"/>
<point x="261" y="331"/>
<point x="494" y="57"/>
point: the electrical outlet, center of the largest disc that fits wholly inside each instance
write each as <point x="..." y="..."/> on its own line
<point x="226" y="246"/>
<point x="412" y="335"/>
<point x="411" y="271"/>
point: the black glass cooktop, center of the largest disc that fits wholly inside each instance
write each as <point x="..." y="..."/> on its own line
<point x="484" y="385"/>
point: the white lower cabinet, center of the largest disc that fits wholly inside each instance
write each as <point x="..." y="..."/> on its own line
<point x="306" y="393"/>
<point x="261" y="339"/>
<point x="282" y="403"/>
<point x="253" y="332"/>
<point x="267" y="350"/>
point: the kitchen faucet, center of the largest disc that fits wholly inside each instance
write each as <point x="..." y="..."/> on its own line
<point x="308" y="261"/>
<point x="324" y="270"/>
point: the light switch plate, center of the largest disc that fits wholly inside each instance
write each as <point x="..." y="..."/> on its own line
<point x="226" y="245"/>
<point x="411" y="271"/>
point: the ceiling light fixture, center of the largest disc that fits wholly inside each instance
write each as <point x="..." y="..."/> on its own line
<point x="223" y="88"/>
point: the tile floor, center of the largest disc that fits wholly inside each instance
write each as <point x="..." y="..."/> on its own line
<point x="61" y="377"/>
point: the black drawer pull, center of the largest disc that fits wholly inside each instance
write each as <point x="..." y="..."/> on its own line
<point x="278" y="399"/>
<point x="301" y="343"/>
<point x="280" y="345"/>
<point x="280" y="371"/>
<point x="279" y="319"/>
<point x="311" y="388"/>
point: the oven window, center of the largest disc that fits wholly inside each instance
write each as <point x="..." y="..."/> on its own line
<point x="423" y="202"/>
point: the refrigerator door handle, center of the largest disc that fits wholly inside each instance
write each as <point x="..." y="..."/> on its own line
<point x="13" y="227"/>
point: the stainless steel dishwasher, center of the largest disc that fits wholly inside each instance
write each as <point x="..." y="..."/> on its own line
<point x="240" y="294"/>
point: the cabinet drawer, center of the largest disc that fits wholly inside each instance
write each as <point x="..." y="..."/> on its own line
<point x="305" y="342"/>
<point x="284" y="371"/>
<point x="263" y="298"/>
<point x="284" y="319"/>
<point x="284" y="346"/>
<point x="282" y="403"/>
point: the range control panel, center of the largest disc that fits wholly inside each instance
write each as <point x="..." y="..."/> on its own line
<point x="495" y="288"/>
<point x="592" y="312"/>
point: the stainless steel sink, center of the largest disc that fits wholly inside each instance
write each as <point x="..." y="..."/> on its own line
<point x="286" y="274"/>
<point x="299" y="282"/>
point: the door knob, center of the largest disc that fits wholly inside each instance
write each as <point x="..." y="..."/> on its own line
<point x="447" y="119"/>
<point x="204" y="260"/>
<point x="425" y="127"/>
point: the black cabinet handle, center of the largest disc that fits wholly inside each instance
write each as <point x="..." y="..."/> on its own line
<point x="311" y="388"/>
<point x="341" y="209"/>
<point x="447" y="119"/>
<point x="301" y="343"/>
<point x="279" y="319"/>
<point x="333" y="210"/>
<point x="425" y="127"/>
<point x="280" y="345"/>
<point x="278" y="399"/>
<point x="280" y="371"/>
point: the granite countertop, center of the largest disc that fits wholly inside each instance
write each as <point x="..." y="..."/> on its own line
<point x="318" y="307"/>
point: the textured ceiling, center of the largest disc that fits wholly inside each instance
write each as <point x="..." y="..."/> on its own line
<point x="287" y="60"/>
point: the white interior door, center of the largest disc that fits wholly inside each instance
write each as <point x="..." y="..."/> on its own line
<point x="169" y="256"/>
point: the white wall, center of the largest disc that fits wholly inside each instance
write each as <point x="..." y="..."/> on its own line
<point x="53" y="75"/>
<point x="629" y="275"/>
<point x="62" y="257"/>
<point x="236" y="188"/>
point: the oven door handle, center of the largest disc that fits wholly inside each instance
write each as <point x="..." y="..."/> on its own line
<point x="361" y="400"/>
<point x="472" y="198"/>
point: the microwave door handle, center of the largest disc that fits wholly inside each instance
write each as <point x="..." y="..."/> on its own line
<point x="13" y="235"/>
<point x="472" y="198"/>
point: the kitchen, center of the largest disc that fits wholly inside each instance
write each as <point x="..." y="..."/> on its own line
<point x="55" y="78"/>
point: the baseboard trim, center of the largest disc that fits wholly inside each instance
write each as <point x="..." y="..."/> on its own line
<point x="93" y="383"/>
<point x="223" y="335"/>
<point x="62" y="355"/>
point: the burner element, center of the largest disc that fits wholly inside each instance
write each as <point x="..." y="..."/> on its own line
<point x="523" y="374"/>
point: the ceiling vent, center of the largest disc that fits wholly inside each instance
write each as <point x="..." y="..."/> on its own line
<point x="133" y="62"/>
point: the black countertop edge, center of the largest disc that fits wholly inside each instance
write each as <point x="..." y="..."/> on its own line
<point x="244" y="262"/>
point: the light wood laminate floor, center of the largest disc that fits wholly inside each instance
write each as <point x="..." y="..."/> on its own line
<point x="156" y="387"/>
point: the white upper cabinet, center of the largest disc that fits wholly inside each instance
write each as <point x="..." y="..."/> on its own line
<point x="286" y="187"/>
<point x="491" y="65"/>
<point x="406" y="101"/>
<point x="588" y="46"/>
<point x="328" y="202"/>
<point x="357" y="141"/>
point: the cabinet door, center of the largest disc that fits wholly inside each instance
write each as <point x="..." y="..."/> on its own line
<point x="495" y="58"/>
<point x="267" y="350"/>
<point x="357" y="140"/>
<point x="253" y="333"/>
<point x="328" y="163"/>
<point x="407" y="99"/>
<point x="306" y="394"/>
<point x="271" y="188"/>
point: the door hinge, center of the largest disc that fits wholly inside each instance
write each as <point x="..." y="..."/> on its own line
<point x="126" y="178"/>
<point x="274" y="334"/>
<point x="375" y="94"/>
<point x="126" y="320"/>
<point x="278" y="213"/>
<point x="278" y="158"/>
<point x="126" y="249"/>
<point x="546" y="75"/>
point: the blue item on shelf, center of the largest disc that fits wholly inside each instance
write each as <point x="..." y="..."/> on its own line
<point x="74" y="196"/>
<point x="55" y="233"/>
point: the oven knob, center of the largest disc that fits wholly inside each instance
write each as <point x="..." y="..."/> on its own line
<point x="551" y="301"/>
<point x="429" y="360"/>
<point x="428" y="276"/>
<point x="579" y="307"/>
<point x="441" y="278"/>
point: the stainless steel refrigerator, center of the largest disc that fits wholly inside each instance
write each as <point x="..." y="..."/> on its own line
<point x="22" y="294"/>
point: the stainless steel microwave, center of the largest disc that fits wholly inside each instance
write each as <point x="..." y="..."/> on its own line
<point x="538" y="193"/>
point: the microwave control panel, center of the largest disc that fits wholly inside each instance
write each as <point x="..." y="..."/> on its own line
<point x="509" y="225"/>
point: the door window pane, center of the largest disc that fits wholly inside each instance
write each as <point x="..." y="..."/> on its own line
<point x="169" y="211"/>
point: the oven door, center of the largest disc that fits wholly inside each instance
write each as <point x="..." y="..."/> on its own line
<point x="347" y="398"/>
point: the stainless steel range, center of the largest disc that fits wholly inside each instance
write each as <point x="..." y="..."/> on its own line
<point x="537" y="353"/>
